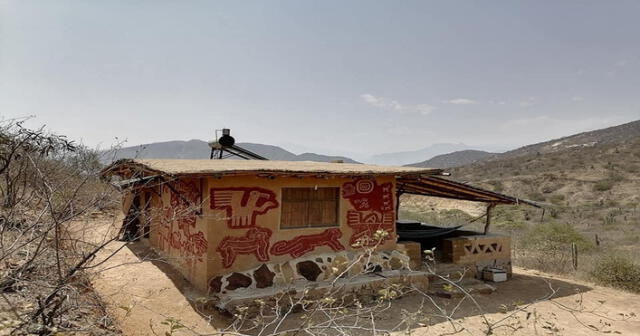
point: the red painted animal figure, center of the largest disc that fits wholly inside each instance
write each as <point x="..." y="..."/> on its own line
<point x="366" y="225"/>
<point x="185" y="193"/>
<point x="301" y="245"/>
<point x="185" y="201"/>
<point x="243" y="205"/>
<point x="255" y="241"/>
<point x="196" y="245"/>
<point x="367" y="195"/>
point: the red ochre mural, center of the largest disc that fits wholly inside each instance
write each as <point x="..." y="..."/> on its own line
<point x="184" y="200"/>
<point x="366" y="225"/>
<point x="243" y="205"/>
<point x="373" y="210"/>
<point x="302" y="245"/>
<point x="255" y="241"/>
<point x="367" y="195"/>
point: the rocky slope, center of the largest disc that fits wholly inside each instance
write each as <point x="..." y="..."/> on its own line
<point x="455" y="159"/>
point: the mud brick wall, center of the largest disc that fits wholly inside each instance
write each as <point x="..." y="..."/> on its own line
<point x="481" y="250"/>
<point x="414" y="251"/>
<point x="223" y="230"/>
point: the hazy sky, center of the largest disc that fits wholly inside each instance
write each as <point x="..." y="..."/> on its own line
<point x="331" y="76"/>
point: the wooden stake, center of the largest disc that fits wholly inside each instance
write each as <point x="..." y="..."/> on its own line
<point x="488" y="222"/>
<point x="398" y="194"/>
<point x="574" y="255"/>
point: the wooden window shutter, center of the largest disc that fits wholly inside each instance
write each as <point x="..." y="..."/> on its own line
<point x="309" y="207"/>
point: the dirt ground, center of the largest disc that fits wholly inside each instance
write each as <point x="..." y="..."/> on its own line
<point x="144" y="295"/>
<point x="576" y="308"/>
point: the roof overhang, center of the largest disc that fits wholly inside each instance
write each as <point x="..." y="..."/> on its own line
<point x="439" y="187"/>
<point x="128" y="168"/>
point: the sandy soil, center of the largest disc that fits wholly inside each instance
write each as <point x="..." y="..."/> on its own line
<point x="576" y="309"/>
<point x="422" y="203"/>
<point x="142" y="293"/>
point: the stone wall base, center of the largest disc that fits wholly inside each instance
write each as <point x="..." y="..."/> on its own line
<point x="363" y="288"/>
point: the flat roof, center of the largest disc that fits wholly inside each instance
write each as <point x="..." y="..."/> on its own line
<point x="235" y="167"/>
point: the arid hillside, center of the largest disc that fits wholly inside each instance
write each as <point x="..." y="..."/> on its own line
<point x="594" y="189"/>
<point x="591" y="196"/>
<point x="589" y="185"/>
<point x="455" y="159"/>
<point x="582" y="176"/>
<point x="605" y="136"/>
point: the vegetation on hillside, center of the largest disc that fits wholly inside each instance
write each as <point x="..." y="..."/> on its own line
<point x="618" y="271"/>
<point x="591" y="198"/>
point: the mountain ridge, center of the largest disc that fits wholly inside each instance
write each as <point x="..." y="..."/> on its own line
<point x="409" y="157"/>
<point x="609" y="135"/>
<point x="199" y="149"/>
<point x="454" y="159"/>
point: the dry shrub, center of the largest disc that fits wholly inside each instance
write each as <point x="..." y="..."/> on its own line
<point x="47" y="183"/>
<point x="548" y="246"/>
<point x="617" y="271"/>
<point x="603" y="185"/>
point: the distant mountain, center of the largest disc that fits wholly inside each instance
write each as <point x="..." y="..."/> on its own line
<point x="610" y="135"/>
<point x="410" y="157"/>
<point x="455" y="159"/>
<point x="198" y="149"/>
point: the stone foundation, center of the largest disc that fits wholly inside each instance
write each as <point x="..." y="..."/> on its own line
<point x="316" y="268"/>
<point x="353" y="273"/>
<point x="363" y="288"/>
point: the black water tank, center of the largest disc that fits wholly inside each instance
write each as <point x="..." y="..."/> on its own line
<point x="226" y="139"/>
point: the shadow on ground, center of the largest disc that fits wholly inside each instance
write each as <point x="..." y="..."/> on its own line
<point x="216" y="318"/>
<point x="521" y="290"/>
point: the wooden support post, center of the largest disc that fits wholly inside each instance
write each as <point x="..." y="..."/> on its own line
<point x="488" y="221"/>
<point x="398" y="194"/>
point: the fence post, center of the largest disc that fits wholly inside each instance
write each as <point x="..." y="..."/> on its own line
<point x="574" y="255"/>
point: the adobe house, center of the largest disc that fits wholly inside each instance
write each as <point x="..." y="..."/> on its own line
<point x="235" y="227"/>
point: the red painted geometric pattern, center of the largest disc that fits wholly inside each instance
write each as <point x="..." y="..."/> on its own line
<point x="367" y="195"/>
<point x="373" y="210"/>
<point x="365" y="225"/>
